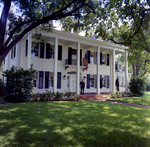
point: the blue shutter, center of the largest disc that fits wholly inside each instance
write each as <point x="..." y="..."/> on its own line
<point x="47" y="50"/>
<point x="59" y="80"/>
<point x="107" y="59"/>
<point x="89" y="55"/>
<point x="59" y="52"/>
<point x="100" y="81"/>
<point x="100" y="58"/>
<point x="80" y="57"/>
<point x="46" y="79"/>
<point x="41" y="50"/>
<point x="41" y="79"/>
<point x="95" y="81"/>
<point x="69" y="55"/>
<point x="26" y="48"/>
<point x="88" y="81"/>
<point x="107" y="81"/>
<point x="14" y="51"/>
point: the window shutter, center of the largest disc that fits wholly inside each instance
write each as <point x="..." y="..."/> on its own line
<point x="59" y="52"/>
<point x="46" y="79"/>
<point x="11" y="53"/>
<point x="69" y="55"/>
<point x="88" y="54"/>
<point x="14" y="51"/>
<point x="88" y="81"/>
<point x="96" y="58"/>
<point x="41" y="79"/>
<point x="107" y="59"/>
<point x="100" y="81"/>
<point x="26" y="48"/>
<point x="107" y="81"/>
<point x="47" y="50"/>
<point x="100" y="58"/>
<point x="59" y="80"/>
<point x="41" y="50"/>
<point x="95" y="81"/>
<point x="80" y="57"/>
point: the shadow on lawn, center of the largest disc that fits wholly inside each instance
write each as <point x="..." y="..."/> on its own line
<point x="82" y="123"/>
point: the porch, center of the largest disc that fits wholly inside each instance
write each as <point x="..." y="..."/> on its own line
<point x="94" y="97"/>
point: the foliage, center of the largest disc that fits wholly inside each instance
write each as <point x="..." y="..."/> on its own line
<point x="31" y="14"/>
<point x="18" y="84"/>
<point x="117" y="94"/>
<point x="1" y="88"/>
<point x="52" y="96"/>
<point x="137" y="85"/>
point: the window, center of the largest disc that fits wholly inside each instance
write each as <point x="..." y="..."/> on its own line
<point x="92" y="80"/>
<point x="104" y="80"/>
<point x="121" y="81"/>
<point x="67" y="81"/>
<point x="119" y="66"/>
<point x="13" y="52"/>
<point x="92" y="57"/>
<point x="51" y="51"/>
<point x="35" y="80"/>
<point x="50" y="79"/>
<point x="35" y="49"/>
<point x="104" y="61"/>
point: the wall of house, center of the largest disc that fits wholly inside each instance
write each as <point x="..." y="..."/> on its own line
<point x="40" y="64"/>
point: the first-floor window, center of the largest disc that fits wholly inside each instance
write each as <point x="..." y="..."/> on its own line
<point x="35" y="80"/>
<point x="104" y="80"/>
<point x="50" y="79"/>
<point x="121" y="81"/>
<point x="92" y="80"/>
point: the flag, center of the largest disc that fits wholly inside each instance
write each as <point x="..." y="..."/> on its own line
<point x="85" y="61"/>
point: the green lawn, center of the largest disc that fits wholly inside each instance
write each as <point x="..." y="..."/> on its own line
<point x="145" y="100"/>
<point x="74" y="123"/>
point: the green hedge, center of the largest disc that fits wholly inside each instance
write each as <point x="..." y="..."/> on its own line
<point x="137" y="85"/>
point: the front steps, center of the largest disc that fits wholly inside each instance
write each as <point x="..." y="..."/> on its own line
<point x="95" y="97"/>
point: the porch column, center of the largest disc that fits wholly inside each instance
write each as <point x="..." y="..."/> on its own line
<point x="29" y="51"/>
<point x="113" y="71"/>
<point x="8" y="60"/>
<point x="98" y="70"/>
<point x="126" y="71"/>
<point x="55" y="65"/>
<point x="78" y="69"/>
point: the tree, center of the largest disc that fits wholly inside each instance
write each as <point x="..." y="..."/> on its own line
<point x="33" y="13"/>
<point x="120" y="22"/>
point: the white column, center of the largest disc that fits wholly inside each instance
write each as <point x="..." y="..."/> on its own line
<point x="98" y="70"/>
<point x="55" y="65"/>
<point x="113" y="72"/>
<point x="78" y="69"/>
<point x="29" y="51"/>
<point x="126" y="71"/>
<point x="8" y="60"/>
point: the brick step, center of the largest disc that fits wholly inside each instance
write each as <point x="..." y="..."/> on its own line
<point x="93" y="97"/>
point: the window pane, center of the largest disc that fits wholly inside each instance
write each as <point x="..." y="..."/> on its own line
<point x="50" y="79"/>
<point x="35" y="49"/>
<point x="52" y="51"/>
<point x="92" y="81"/>
<point x="35" y="80"/>
<point x="103" y="81"/>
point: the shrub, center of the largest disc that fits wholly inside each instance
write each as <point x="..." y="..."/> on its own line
<point x="18" y="84"/>
<point x="137" y="86"/>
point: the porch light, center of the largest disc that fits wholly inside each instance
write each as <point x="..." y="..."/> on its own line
<point x="84" y="77"/>
<point x="64" y="77"/>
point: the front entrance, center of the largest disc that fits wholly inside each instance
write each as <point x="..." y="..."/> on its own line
<point x="72" y="85"/>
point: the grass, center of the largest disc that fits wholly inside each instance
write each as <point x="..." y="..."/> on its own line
<point x="76" y="123"/>
<point x="145" y="100"/>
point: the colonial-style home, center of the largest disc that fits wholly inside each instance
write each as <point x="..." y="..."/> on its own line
<point x="58" y="61"/>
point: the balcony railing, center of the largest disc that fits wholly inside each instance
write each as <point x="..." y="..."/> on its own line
<point x="73" y="62"/>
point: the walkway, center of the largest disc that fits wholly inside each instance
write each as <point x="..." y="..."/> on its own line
<point x="103" y="97"/>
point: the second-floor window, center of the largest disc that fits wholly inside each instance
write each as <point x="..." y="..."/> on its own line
<point x="35" y="49"/>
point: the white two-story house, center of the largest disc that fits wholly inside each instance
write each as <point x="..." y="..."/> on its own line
<point x="57" y="59"/>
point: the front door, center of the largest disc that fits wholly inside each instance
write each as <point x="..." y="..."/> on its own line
<point x="72" y="84"/>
